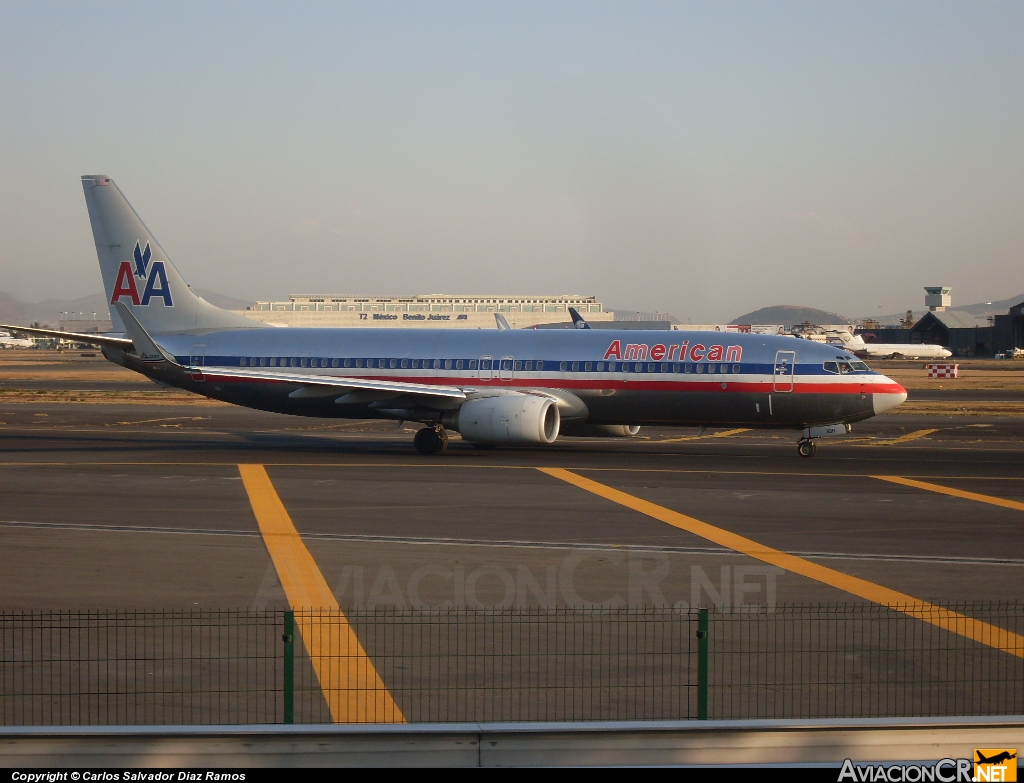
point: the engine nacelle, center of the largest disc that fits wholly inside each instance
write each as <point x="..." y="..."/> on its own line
<point x="600" y="430"/>
<point x="509" y="419"/>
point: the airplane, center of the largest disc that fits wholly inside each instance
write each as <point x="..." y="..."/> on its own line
<point x="7" y="340"/>
<point x="855" y="344"/>
<point x="495" y="387"/>
<point x="864" y="350"/>
<point x="996" y="759"/>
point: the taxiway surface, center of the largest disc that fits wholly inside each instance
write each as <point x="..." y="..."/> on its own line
<point x="119" y="506"/>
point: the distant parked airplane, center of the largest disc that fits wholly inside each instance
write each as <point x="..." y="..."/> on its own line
<point x="855" y="344"/>
<point x="493" y="386"/>
<point x="7" y="340"/>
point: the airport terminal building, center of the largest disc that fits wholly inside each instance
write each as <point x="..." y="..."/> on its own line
<point x="429" y="310"/>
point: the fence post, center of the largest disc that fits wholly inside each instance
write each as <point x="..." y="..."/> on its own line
<point x="702" y="665"/>
<point x="289" y="667"/>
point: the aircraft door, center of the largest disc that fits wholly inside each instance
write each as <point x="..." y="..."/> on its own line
<point x="785" y="369"/>
<point x="505" y="371"/>
<point x="484" y="371"/>
<point x="197" y="358"/>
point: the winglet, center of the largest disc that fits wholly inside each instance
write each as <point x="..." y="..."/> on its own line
<point x="502" y="323"/>
<point x="147" y="350"/>
<point x="578" y="321"/>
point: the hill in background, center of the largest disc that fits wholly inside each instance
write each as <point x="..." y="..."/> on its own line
<point x="789" y="315"/>
<point x="14" y="311"/>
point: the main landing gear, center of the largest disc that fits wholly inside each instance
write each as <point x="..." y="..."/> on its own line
<point x="432" y="439"/>
<point x="807" y="448"/>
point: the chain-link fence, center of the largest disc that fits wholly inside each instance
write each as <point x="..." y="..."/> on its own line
<point x="459" y="665"/>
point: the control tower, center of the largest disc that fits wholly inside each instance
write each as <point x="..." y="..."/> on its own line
<point x="938" y="298"/>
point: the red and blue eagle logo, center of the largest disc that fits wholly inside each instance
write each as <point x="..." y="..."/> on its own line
<point x="155" y="277"/>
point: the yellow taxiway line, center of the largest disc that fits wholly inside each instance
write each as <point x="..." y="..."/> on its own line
<point x="957" y="493"/>
<point x="902" y="439"/>
<point x="354" y="691"/>
<point x="724" y="434"/>
<point x="976" y="630"/>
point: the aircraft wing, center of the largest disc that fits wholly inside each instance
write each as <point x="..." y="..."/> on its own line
<point x="328" y="385"/>
<point x="91" y="339"/>
<point x="355" y="390"/>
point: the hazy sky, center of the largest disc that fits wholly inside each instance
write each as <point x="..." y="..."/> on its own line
<point x="700" y="158"/>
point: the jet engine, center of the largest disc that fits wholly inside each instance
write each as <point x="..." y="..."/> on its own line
<point x="600" y="430"/>
<point x="509" y="419"/>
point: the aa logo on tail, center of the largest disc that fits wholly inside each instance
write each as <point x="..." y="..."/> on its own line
<point x="155" y="277"/>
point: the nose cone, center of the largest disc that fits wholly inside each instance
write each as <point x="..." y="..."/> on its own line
<point x="889" y="395"/>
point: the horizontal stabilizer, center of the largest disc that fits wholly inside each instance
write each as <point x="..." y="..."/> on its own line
<point x="78" y="337"/>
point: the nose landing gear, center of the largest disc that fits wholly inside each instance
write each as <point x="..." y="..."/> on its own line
<point x="807" y="448"/>
<point x="432" y="439"/>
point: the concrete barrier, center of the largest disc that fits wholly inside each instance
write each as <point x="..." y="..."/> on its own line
<point x="509" y="744"/>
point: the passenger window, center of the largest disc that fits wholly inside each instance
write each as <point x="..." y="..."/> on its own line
<point x="529" y="365"/>
<point x="263" y="362"/>
<point x="303" y="362"/>
<point x="472" y="364"/>
<point x="540" y="366"/>
<point x="831" y="367"/>
<point x="437" y="364"/>
<point x="686" y="368"/>
<point x="519" y="365"/>
<point x="393" y="363"/>
<point x="485" y="364"/>
<point x="405" y="364"/>
<point x="600" y="366"/>
<point x="447" y="364"/>
<point x="359" y="363"/>
<point x="699" y="368"/>
<point x="348" y="363"/>
<point x="664" y="368"/>
<point x="588" y="367"/>
<point x="335" y="363"/>
<point x="242" y="362"/>
<point x="735" y="369"/>
<point x="273" y="362"/>
<point x="675" y="368"/>
<point x="458" y="364"/>
<point x="562" y="366"/>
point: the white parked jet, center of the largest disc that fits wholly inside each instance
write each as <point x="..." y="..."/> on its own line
<point x="855" y="344"/>
<point x="7" y="340"/>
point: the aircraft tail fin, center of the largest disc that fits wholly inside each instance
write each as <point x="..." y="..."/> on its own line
<point x="137" y="273"/>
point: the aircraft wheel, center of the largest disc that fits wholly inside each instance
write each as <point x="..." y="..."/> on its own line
<point x="807" y="448"/>
<point x="431" y="440"/>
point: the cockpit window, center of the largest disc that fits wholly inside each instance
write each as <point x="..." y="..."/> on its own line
<point x="831" y="367"/>
<point x="860" y="367"/>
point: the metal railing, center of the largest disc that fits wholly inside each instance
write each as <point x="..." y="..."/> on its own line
<point x="459" y="665"/>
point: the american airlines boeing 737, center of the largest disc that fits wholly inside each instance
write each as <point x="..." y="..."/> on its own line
<point x="494" y="387"/>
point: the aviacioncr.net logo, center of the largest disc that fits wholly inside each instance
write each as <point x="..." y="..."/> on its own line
<point x="155" y="277"/>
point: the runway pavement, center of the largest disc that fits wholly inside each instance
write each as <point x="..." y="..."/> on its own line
<point x="120" y="506"/>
